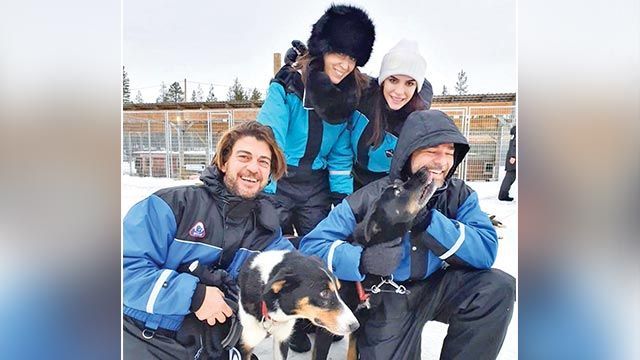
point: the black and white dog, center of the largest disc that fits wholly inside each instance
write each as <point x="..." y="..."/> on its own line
<point x="279" y="287"/>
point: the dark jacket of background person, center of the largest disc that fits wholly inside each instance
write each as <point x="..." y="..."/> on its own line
<point x="511" y="152"/>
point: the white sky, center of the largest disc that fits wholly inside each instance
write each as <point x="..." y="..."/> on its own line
<point x="212" y="42"/>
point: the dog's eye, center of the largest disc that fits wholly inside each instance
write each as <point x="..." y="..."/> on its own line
<point x="325" y="294"/>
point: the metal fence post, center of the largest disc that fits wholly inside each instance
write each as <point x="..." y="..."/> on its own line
<point x="167" y="142"/>
<point x="130" y="154"/>
<point x="466" y="119"/>
<point x="149" y="147"/>
<point x="209" y="140"/>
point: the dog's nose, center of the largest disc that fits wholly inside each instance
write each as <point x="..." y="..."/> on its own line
<point x="354" y="326"/>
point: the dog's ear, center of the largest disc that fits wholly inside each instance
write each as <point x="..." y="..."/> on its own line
<point x="281" y="281"/>
<point x="372" y="228"/>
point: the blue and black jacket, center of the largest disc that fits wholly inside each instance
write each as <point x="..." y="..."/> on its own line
<point x="312" y="144"/>
<point x="451" y="229"/>
<point x="176" y="226"/>
<point x="370" y="162"/>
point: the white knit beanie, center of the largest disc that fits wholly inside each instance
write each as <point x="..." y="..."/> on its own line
<point x="404" y="59"/>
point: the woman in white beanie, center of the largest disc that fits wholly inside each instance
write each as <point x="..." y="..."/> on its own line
<point x="401" y="88"/>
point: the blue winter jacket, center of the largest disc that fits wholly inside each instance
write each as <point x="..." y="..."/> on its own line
<point x="179" y="225"/>
<point x="309" y="142"/>
<point x="450" y="229"/>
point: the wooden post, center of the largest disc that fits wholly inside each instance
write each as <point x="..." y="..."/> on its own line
<point x="276" y="63"/>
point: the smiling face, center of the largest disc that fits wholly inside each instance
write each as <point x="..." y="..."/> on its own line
<point x="246" y="172"/>
<point x="337" y="66"/>
<point x="437" y="159"/>
<point x="398" y="90"/>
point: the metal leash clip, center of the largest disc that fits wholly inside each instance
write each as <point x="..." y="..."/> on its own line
<point x="399" y="289"/>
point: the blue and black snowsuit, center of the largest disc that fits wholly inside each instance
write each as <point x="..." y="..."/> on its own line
<point x="171" y="229"/>
<point x="448" y="254"/>
<point x="373" y="162"/>
<point x="310" y="125"/>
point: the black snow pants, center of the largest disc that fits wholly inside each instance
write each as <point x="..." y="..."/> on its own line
<point x="477" y="305"/>
<point x="505" y="187"/>
<point x="188" y="343"/>
<point x="304" y="197"/>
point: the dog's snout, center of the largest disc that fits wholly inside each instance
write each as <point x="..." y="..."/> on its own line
<point x="354" y="326"/>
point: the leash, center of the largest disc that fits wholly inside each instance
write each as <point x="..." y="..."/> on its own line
<point x="388" y="280"/>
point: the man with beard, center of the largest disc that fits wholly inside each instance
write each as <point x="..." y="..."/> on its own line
<point x="444" y="260"/>
<point x="218" y="223"/>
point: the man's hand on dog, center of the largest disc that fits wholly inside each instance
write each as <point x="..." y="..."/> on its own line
<point x="381" y="259"/>
<point x="214" y="308"/>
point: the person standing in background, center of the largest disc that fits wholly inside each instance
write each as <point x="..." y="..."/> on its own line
<point x="510" y="167"/>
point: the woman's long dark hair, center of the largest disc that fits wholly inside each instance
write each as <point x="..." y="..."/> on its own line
<point x="381" y="112"/>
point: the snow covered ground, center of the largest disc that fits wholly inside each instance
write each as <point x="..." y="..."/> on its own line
<point x="135" y="189"/>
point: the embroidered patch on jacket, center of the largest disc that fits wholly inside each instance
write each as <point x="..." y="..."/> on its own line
<point x="389" y="153"/>
<point x="197" y="230"/>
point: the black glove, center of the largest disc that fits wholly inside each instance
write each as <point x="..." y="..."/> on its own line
<point x="211" y="277"/>
<point x="298" y="49"/>
<point x="336" y="198"/>
<point x="381" y="259"/>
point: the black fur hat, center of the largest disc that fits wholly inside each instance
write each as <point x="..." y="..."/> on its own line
<point x="344" y="29"/>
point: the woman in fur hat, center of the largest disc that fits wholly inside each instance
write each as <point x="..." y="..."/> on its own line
<point x="309" y="105"/>
<point x="399" y="90"/>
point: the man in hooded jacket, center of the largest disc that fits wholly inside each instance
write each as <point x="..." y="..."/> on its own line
<point x="444" y="260"/>
<point x="220" y="224"/>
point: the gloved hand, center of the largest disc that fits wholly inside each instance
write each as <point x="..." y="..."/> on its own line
<point x="336" y="198"/>
<point x="381" y="259"/>
<point x="298" y="49"/>
<point x="214" y="277"/>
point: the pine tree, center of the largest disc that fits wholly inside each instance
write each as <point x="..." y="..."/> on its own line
<point x="175" y="93"/>
<point x="256" y="95"/>
<point x="211" y="96"/>
<point x="163" y="94"/>
<point x="199" y="94"/>
<point x="139" y="99"/>
<point x="126" y="92"/>
<point x="461" y="85"/>
<point x="194" y="97"/>
<point x="445" y="91"/>
<point x="236" y="92"/>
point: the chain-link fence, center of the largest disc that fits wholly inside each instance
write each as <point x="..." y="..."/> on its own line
<point x="487" y="130"/>
<point x="179" y="144"/>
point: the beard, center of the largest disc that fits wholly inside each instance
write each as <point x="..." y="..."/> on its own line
<point x="234" y="185"/>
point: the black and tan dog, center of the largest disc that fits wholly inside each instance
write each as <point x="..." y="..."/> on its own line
<point x="390" y="217"/>
<point x="279" y="287"/>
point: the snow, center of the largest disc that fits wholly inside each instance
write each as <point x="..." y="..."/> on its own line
<point x="135" y="189"/>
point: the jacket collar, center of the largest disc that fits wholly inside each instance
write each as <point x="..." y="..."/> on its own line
<point x="333" y="103"/>
<point x="236" y="207"/>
